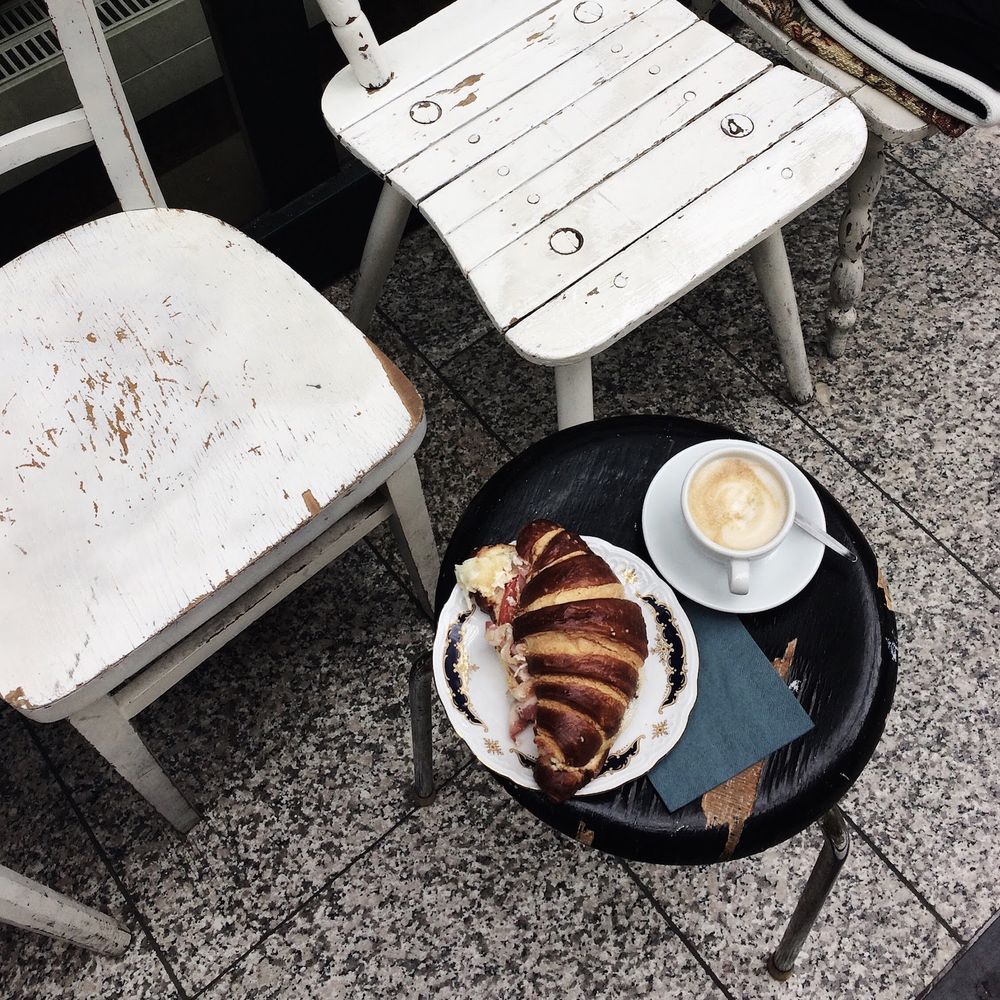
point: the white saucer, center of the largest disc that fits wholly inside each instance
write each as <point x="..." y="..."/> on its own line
<point x="775" y="579"/>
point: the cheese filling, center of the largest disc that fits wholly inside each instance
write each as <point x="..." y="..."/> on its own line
<point x="496" y="574"/>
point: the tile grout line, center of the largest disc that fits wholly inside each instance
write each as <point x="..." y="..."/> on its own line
<point x="406" y="585"/>
<point x="328" y="883"/>
<point x="840" y="452"/>
<point x="909" y="883"/>
<point x="133" y="906"/>
<point x="951" y="201"/>
<point x="452" y="391"/>
<point x="682" y="937"/>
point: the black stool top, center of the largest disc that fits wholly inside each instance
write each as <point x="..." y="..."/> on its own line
<point x="593" y="478"/>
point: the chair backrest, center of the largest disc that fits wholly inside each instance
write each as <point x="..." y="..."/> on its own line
<point x="357" y="40"/>
<point x="104" y="118"/>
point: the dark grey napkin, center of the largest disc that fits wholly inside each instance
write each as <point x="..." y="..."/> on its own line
<point x="744" y="711"/>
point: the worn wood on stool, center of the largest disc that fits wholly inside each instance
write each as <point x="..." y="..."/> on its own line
<point x="593" y="479"/>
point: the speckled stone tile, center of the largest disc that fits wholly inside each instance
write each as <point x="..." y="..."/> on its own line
<point x="667" y="366"/>
<point x="966" y="170"/>
<point x="439" y="327"/>
<point x="41" y="838"/>
<point x="914" y="401"/>
<point x="873" y="938"/>
<point x="295" y="744"/>
<point x="473" y="898"/>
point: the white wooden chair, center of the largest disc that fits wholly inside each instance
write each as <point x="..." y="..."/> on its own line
<point x="188" y="431"/>
<point x="888" y="123"/>
<point x="32" y="906"/>
<point x="587" y="162"/>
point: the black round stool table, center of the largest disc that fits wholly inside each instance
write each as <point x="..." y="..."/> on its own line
<point x="592" y="478"/>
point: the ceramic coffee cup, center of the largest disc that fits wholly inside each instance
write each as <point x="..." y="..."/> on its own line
<point x="741" y="508"/>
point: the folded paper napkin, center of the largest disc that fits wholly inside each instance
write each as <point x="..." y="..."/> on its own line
<point x="744" y="711"/>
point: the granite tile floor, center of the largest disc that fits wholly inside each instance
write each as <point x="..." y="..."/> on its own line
<point x="313" y="874"/>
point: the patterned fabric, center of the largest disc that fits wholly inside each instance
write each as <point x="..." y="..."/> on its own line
<point x="789" y="17"/>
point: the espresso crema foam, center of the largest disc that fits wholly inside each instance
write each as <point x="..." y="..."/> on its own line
<point x="737" y="503"/>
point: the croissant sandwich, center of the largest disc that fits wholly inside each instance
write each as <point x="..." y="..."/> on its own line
<point x="571" y="642"/>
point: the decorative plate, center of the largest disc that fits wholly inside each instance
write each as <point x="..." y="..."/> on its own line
<point x="472" y="684"/>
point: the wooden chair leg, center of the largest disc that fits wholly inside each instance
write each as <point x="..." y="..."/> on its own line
<point x="836" y="848"/>
<point x="386" y="231"/>
<point x="411" y="524"/>
<point x="574" y="393"/>
<point x="770" y="264"/>
<point x="114" y="737"/>
<point x="31" y="906"/>
<point x="848" y="275"/>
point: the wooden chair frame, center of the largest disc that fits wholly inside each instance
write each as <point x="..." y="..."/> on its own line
<point x="102" y="710"/>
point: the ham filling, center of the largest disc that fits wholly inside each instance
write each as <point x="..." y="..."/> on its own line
<point x="501" y="606"/>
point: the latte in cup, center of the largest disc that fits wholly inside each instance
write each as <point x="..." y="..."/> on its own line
<point x="737" y="503"/>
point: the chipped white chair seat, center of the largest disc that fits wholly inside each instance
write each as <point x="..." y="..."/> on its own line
<point x="587" y="163"/>
<point x="188" y="432"/>
<point x="181" y="413"/>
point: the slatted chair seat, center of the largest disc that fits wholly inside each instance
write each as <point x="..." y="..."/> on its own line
<point x="587" y="163"/>
<point x="180" y="413"/>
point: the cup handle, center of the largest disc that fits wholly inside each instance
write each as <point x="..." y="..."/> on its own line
<point x="739" y="576"/>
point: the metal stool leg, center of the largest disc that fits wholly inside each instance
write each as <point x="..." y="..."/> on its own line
<point x="781" y="964"/>
<point x="420" y="729"/>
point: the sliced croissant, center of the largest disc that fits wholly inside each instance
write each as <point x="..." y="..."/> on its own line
<point x="573" y="650"/>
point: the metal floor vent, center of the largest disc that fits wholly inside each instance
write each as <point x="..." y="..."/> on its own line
<point x="28" y="40"/>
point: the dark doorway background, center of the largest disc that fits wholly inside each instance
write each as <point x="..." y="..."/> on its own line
<point x="250" y="148"/>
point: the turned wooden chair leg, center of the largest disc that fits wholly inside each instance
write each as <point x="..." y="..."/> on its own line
<point x="31" y="906"/>
<point x="574" y="393"/>
<point x="386" y="231"/>
<point x="836" y="848"/>
<point x="855" y="230"/>
<point x="420" y="729"/>
<point x="770" y="264"/>
<point x="114" y="737"/>
<point x="411" y="525"/>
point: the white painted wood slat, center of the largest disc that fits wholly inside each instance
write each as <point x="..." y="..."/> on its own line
<point x="562" y="133"/>
<point x="692" y="245"/>
<point x="608" y="152"/>
<point x="184" y="406"/>
<point x="621" y="208"/>
<point x="100" y="91"/>
<point x="594" y="67"/>
<point x="42" y="138"/>
<point x="480" y="81"/>
<point x="431" y="45"/>
<point x="194" y="649"/>
<point x="32" y="906"/>
<point x="353" y="33"/>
